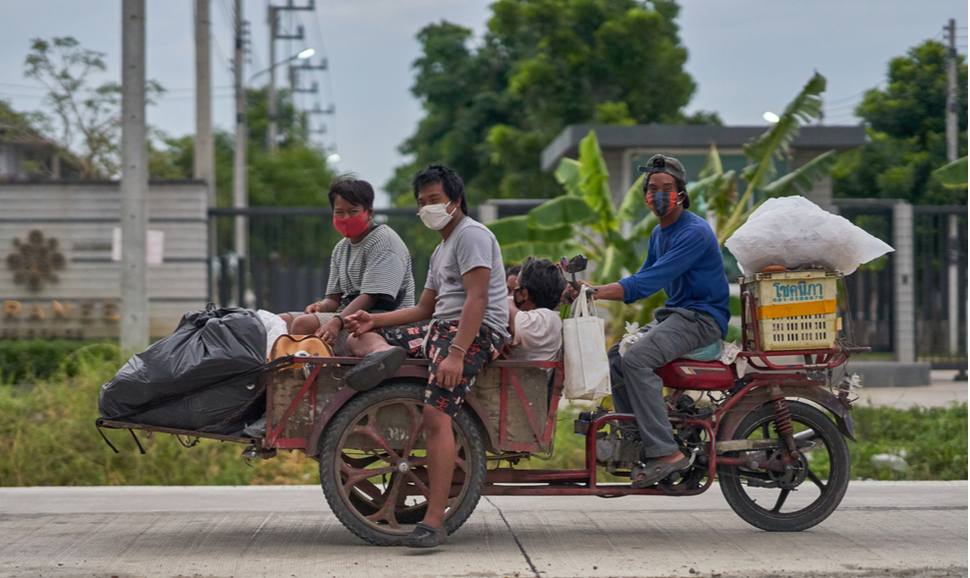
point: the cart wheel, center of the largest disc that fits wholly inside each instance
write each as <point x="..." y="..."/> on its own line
<point x="373" y="465"/>
<point x="795" y="500"/>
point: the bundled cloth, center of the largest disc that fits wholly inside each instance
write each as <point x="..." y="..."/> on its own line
<point x="202" y="377"/>
<point x="795" y="233"/>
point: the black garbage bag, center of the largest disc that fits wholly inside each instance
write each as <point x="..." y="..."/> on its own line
<point x="196" y="378"/>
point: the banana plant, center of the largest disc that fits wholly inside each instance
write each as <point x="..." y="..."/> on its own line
<point x="774" y="144"/>
<point x="585" y="219"/>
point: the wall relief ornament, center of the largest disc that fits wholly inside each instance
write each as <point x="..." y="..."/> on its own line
<point x="34" y="261"/>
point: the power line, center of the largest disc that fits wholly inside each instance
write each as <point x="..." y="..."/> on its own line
<point x="326" y="78"/>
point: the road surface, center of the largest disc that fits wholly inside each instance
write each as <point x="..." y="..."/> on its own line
<point x="882" y="528"/>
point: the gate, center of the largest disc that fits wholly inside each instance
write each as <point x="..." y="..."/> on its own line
<point x="870" y="289"/>
<point x="940" y="268"/>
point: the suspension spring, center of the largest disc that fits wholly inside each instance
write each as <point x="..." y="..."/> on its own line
<point x="782" y="418"/>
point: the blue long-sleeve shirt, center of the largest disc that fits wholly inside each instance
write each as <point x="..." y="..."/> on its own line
<point x="684" y="259"/>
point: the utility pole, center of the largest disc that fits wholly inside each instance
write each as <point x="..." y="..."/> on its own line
<point x="271" y="145"/>
<point x="272" y="19"/>
<point x="204" y="148"/>
<point x="953" y="306"/>
<point x="204" y="166"/>
<point x="951" y="94"/>
<point x="240" y="196"/>
<point x="134" y="181"/>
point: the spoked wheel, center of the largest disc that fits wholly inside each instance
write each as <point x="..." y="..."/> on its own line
<point x="801" y="496"/>
<point x="373" y="465"/>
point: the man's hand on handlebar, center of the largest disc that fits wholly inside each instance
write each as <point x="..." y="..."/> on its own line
<point x="572" y="291"/>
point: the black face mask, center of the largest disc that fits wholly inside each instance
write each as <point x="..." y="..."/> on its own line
<point x="518" y="304"/>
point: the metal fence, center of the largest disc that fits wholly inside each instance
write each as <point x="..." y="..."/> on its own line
<point x="870" y="289"/>
<point x="940" y="269"/>
<point x="288" y="254"/>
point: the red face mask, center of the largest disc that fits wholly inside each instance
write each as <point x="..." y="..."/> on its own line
<point x="351" y="227"/>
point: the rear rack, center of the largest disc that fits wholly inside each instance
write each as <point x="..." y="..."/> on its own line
<point x="108" y="424"/>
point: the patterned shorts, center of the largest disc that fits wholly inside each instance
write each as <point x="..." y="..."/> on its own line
<point x="484" y="349"/>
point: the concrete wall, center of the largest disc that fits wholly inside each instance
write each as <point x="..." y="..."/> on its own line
<point x="80" y="298"/>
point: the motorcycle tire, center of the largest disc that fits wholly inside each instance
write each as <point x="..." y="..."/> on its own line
<point x="387" y="415"/>
<point x="818" y="498"/>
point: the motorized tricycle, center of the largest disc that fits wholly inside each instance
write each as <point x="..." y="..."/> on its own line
<point x="773" y="436"/>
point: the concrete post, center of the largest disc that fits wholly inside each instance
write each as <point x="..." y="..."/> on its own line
<point x="240" y="197"/>
<point x="204" y="167"/>
<point x="904" y="301"/>
<point x="134" y="181"/>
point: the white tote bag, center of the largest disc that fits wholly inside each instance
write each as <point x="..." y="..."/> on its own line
<point x="587" y="369"/>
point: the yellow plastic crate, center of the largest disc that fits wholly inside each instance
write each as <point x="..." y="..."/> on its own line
<point x="796" y="309"/>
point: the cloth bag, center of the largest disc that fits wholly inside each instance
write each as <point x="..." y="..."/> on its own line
<point x="300" y="346"/>
<point x="587" y="369"/>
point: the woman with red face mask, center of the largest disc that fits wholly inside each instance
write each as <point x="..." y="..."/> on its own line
<point x="370" y="268"/>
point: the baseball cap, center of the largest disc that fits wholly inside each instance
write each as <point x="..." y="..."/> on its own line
<point x="668" y="165"/>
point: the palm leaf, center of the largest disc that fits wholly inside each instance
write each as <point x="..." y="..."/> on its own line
<point x="953" y="175"/>
<point x="633" y="200"/>
<point x="594" y="182"/>
<point x="568" y="176"/>
<point x="644" y="227"/>
<point x="802" y="178"/>
<point x="712" y="166"/>
<point x="565" y="210"/>
<point x="775" y="141"/>
<point x="520" y="229"/>
<point x="609" y="269"/>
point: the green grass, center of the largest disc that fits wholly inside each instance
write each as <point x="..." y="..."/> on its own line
<point x="32" y="359"/>
<point x="48" y="438"/>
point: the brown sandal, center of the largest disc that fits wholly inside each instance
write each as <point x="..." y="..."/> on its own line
<point x="654" y="470"/>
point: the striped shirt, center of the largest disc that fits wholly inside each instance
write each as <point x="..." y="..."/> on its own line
<point x="379" y="265"/>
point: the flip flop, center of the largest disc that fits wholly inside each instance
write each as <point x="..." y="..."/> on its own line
<point x="375" y="368"/>
<point x="425" y="536"/>
<point x="654" y="471"/>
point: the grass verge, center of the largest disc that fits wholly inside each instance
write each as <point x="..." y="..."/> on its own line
<point x="48" y="438"/>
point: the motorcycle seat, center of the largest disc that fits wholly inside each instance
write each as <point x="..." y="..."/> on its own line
<point x="693" y="374"/>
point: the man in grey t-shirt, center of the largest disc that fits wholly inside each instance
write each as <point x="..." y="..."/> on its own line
<point x="465" y="298"/>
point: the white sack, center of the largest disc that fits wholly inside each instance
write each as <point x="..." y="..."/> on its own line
<point x="587" y="369"/>
<point x="275" y="326"/>
<point x="794" y="232"/>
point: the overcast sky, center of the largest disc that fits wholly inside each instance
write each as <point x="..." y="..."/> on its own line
<point x="746" y="56"/>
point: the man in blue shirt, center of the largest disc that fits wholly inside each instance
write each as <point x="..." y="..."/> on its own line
<point x="683" y="259"/>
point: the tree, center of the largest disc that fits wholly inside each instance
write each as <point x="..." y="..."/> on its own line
<point x="87" y="114"/>
<point x="906" y="127"/>
<point x="585" y="219"/>
<point x="542" y="65"/>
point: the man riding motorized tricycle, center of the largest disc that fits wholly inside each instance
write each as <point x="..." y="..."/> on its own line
<point x="684" y="259"/>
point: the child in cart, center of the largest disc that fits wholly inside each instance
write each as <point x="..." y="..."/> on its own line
<point x="459" y="324"/>
<point x="534" y="323"/>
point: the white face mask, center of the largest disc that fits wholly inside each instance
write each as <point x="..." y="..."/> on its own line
<point x="436" y="217"/>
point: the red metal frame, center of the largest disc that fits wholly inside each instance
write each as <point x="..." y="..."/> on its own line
<point x="511" y="481"/>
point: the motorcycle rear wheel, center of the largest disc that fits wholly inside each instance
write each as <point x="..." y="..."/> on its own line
<point x="802" y="499"/>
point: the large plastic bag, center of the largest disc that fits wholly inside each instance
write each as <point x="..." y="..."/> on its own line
<point x="196" y="378"/>
<point x="794" y="232"/>
<point x="586" y="367"/>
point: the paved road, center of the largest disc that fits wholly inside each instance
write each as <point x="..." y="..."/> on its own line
<point x="882" y="528"/>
